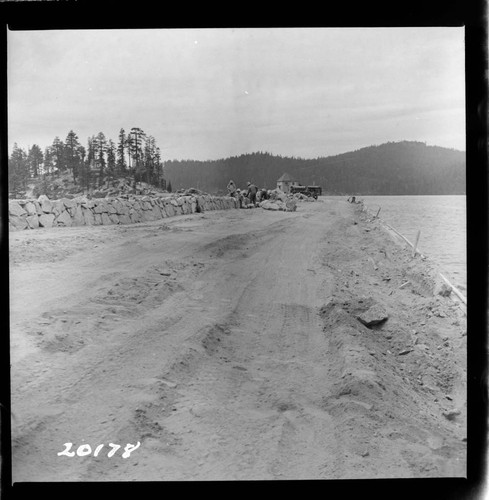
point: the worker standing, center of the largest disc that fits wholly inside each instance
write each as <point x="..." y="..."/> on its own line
<point x="240" y="197"/>
<point x="251" y="193"/>
<point x="232" y="188"/>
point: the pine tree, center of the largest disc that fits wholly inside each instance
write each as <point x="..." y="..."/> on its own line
<point x="159" y="168"/>
<point x="100" y="150"/>
<point x="111" y="159"/>
<point x="149" y="159"/>
<point x="18" y="171"/>
<point x="34" y="159"/>
<point x="128" y="146"/>
<point x="89" y="163"/>
<point x="57" y="150"/>
<point x="48" y="165"/>
<point x="72" y="153"/>
<point x="137" y="136"/>
<point x="82" y="153"/>
<point x="121" y="165"/>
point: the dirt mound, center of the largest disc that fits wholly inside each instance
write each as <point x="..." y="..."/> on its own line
<point x="389" y="388"/>
<point x="400" y="376"/>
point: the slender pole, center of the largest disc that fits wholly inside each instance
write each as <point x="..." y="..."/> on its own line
<point x="416" y="244"/>
<point x="378" y="212"/>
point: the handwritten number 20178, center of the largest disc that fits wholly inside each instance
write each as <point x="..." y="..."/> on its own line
<point x="85" y="449"/>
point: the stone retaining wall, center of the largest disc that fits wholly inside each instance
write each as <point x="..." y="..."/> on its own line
<point x="43" y="212"/>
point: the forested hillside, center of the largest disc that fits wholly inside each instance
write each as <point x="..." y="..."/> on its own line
<point x="391" y="168"/>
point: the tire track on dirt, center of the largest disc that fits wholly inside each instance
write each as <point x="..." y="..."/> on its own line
<point x="237" y="389"/>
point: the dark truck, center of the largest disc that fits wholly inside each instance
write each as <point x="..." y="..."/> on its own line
<point x="311" y="191"/>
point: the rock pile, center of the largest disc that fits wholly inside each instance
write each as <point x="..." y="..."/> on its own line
<point x="280" y="201"/>
<point x="81" y="211"/>
<point x="272" y="205"/>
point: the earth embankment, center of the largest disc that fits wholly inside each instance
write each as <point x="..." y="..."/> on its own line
<point x="241" y="344"/>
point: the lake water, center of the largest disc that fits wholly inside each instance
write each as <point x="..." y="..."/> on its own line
<point x="442" y="222"/>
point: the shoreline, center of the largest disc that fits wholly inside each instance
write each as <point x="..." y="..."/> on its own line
<point x="457" y="296"/>
<point x="437" y="222"/>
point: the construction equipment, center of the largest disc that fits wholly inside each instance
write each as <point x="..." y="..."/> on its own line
<point x="311" y="191"/>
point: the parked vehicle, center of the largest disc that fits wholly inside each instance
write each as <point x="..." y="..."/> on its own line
<point x="311" y="191"/>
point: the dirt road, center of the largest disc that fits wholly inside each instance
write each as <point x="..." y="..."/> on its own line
<point x="228" y="345"/>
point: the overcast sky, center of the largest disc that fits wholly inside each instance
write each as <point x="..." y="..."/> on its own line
<point x="213" y="93"/>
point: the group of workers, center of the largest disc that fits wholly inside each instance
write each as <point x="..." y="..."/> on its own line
<point x="249" y="196"/>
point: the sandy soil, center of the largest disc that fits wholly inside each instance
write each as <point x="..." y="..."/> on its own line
<point x="227" y="344"/>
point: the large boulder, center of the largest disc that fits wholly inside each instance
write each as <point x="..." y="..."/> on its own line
<point x="101" y="207"/>
<point x="276" y="194"/>
<point x="68" y="203"/>
<point x="117" y="206"/>
<point x="33" y="221"/>
<point x="64" y="219"/>
<point x="86" y="202"/>
<point x="46" y="204"/>
<point x="269" y="205"/>
<point x="46" y="220"/>
<point x="114" y="218"/>
<point x="135" y="216"/>
<point x="170" y="210"/>
<point x="373" y="316"/>
<point x="78" y="219"/>
<point x="30" y="208"/>
<point x="146" y="215"/>
<point x="18" y="222"/>
<point x="156" y="212"/>
<point x="106" y="219"/>
<point x="124" y="219"/>
<point x="121" y="207"/>
<point x="15" y="209"/>
<point x="88" y="216"/>
<point x="42" y="198"/>
<point x="57" y="207"/>
<point x="291" y="205"/>
<point x="38" y="207"/>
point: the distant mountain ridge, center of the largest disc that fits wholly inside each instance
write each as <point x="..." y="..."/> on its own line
<point x="393" y="168"/>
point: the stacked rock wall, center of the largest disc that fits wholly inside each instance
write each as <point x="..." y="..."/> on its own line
<point x="43" y="212"/>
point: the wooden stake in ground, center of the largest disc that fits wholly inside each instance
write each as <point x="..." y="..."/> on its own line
<point x="416" y="244"/>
